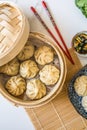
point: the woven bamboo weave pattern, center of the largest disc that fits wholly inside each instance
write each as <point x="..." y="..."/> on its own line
<point x="10" y="26"/>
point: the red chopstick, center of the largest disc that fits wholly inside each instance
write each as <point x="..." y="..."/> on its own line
<point x="56" y="28"/>
<point x="49" y="31"/>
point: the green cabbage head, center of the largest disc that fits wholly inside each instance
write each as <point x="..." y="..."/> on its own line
<point x="82" y="5"/>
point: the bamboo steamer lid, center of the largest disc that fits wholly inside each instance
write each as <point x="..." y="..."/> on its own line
<point x="14" y="31"/>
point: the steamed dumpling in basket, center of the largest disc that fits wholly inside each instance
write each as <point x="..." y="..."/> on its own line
<point x="35" y="89"/>
<point x="26" y="53"/>
<point x="28" y="69"/>
<point x="44" y="55"/>
<point x="10" y="68"/>
<point x="16" y="85"/>
<point x="49" y="74"/>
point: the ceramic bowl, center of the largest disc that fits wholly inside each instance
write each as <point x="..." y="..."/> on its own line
<point x="79" y="43"/>
<point x="75" y="99"/>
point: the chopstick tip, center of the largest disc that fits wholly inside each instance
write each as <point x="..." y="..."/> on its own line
<point x="73" y="63"/>
<point x="44" y="3"/>
<point x="33" y="9"/>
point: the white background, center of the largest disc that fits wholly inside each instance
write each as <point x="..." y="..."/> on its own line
<point x="70" y="21"/>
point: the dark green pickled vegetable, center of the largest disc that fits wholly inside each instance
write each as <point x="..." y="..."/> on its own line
<point x="82" y="5"/>
<point x="80" y="43"/>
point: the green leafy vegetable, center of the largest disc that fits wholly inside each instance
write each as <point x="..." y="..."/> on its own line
<point x="82" y="5"/>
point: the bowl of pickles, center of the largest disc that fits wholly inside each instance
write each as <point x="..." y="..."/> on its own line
<point x="79" y="43"/>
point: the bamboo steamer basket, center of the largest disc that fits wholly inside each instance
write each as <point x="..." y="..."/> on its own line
<point x="37" y="38"/>
<point x="14" y="31"/>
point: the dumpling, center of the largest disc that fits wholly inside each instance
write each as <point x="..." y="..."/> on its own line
<point x="28" y="69"/>
<point x="44" y="55"/>
<point x="49" y="74"/>
<point x="26" y="53"/>
<point x="35" y="89"/>
<point x="10" y="68"/>
<point x="16" y="85"/>
<point x="84" y="102"/>
<point x="80" y="85"/>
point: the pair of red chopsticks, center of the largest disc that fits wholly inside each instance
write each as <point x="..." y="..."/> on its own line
<point x="56" y="28"/>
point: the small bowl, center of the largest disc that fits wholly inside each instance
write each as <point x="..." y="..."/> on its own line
<point x="79" y="43"/>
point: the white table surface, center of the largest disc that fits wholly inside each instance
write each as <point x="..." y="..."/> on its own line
<point x="70" y="21"/>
